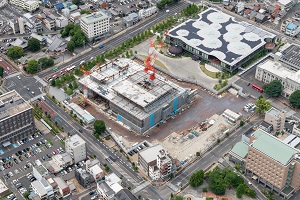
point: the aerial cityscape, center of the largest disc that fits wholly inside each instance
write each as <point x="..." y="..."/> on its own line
<point x="149" y="99"/>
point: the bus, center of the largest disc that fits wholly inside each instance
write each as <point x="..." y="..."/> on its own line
<point x="55" y="69"/>
<point x="255" y="87"/>
<point x="71" y="68"/>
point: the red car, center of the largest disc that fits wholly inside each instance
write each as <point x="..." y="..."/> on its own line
<point x="8" y="166"/>
<point x="56" y="152"/>
<point x="31" y="153"/>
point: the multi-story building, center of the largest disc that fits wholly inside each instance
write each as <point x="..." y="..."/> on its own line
<point x="292" y="29"/>
<point x="155" y="162"/>
<point x="95" y="25"/>
<point x="285" y="4"/>
<point x="14" y="24"/>
<point x="219" y="39"/>
<point x="63" y="187"/>
<point x="93" y="167"/>
<point x="83" y="177"/>
<point x="270" y="70"/>
<point x="62" y="160"/>
<point x="76" y="147"/>
<point x="16" y="118"/>
<point x="125" y="194"/>
<point x="21" y="25"/>
<point x="26" y="4"/>
<point x="289" y="57"/>
<point x="273" y="163"/>
<point x="3" y="3"/>
<point x="43" y="189"/>
<point x="276" y="118"/>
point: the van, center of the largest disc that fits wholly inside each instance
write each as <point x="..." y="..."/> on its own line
<point x="43" y="98"/>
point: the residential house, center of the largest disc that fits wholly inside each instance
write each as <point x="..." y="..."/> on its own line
<point x="63" y="187"/>
<point x="260" y="18"/>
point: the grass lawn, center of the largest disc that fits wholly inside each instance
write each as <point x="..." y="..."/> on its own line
<point x="208" y="73"/>
<point x="157" y="62"/>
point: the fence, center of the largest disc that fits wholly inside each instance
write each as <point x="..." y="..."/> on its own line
<point x="187" y="80"/>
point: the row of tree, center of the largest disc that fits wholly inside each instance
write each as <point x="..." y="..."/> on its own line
<point x="274" y="89"/>
<point x="1" y="71"/>
<point x="33" y="65"/>
<point x="191" y="10"/>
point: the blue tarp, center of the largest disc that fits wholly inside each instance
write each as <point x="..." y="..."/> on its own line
<point x="59" y="6"/>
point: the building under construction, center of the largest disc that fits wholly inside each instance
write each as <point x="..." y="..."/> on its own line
<point x="137" y="100"/>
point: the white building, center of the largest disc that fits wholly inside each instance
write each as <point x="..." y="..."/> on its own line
<point x="292" y="29"/>
<point x="21" y="25"/>
<point x="93" y="167"/>
<point x="108" y="188"/>
<point x="30" y="5"/>
<point x="42" y="188"/>
<point x="273" y="70"/>
<point x="286" y="4"/>
<point x="62" y="160"/>
<point x="143" y="13"/>
<point x="95" y="24"/>
<point x="76" y="147"/>
<point x="3" y="3"/>
<point x="61" y="22"/>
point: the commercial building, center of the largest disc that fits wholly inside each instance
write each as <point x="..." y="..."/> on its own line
<point x="276" y="118"/>
<point x="270" y="70"/>
<point x="105" y="191"/>
<point x="143" y="13"/>
<point x="273" y="163"/>
<point x="16" y="118"/>
<point x="39" y="171"/>
<point x="217" y="38"/>
<point x="138" y="102"/>
<point x="93" y="167"/>
<point x="42" y="188"/>
<point x="3" y="189"/>
<point x="108" y="188"/>
<point x="131" y="19"/>
<point x="95" y="24"/>
<point x="289" y="57"/>
<point x="81" y="113"/>
<point x="83" y="177"/>
<point x="26" y="4"/>
<point x="286" y="4"/>
<point x="76" y="147"/>
<point x="292" y="29"/>
<point x="155" y="162"/>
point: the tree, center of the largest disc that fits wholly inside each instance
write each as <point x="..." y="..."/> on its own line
<point x="1" y="71"/>
<point x="71" y="46"/>
<point x="46" y="62"/>
<point x="197" y="153"/>
<point x="32" y="66"/>
<point x="242" y="123"/>
<point x="26" y="195"/>
<point x="262" y="105"/>
<point x="250" y="193"/>
<point x="196" y="178"/>
<point x="274" y="88"/>
<point x="294" y="99"/>
<point x="76" y="2"/>
<point x="240" y="190"/>
<point x="15" y="52"/>
<point x="99" y="126"/>
<point x="34" y="44"/>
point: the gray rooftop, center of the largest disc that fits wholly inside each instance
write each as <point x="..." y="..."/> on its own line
<point x="150" y="154"/>
<point x="273" y="147"/>
<point x="218" y="34"/>
<point x="74" y="141"/>
<point x="57" y="44"/>
<point x="125" y="84"/>
<point x="11" y="103"/>
<point x="125" y="194"/>
<point x="94" y="17"/>
<point x="39" y="187"/>
<point x="105" y="187"/>
<point x="291" y="55"/>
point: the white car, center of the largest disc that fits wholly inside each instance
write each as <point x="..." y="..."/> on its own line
<point x="19" y="77"/>
<point x="167" y="11"/>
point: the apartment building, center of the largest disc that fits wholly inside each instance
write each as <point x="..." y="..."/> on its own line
<point x="63" y="187"/>
<point x="286" y="4"/>
<point x="95" y="25"/>
<point x="14" y="24"/>
<point x="83" y="177"/>
<point x="276" y="118"/>
<point x="93" y="167"/>
<point x="76" y="147"/>
<point x="29" y="5"/>
<point x="16" y="118"/>
<point x="155" y="162"/>
<point x="270" y="70"/>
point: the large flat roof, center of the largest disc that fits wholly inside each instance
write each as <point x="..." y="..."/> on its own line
<point x="11" y="103"/>
<point x="124" y="83"/>
<point x="277" y="69"/>
<point x="218" y="34"/>
<point x="94" y="17"/>
<point x="291" y="55"/>
<point x="240" y="149"/>
<point x="273" y="147"/>
<point x="74" y="140"/>
<point x="151" y="153"/>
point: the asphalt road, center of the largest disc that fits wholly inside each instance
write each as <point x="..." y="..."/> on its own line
<point x="23" y="172"/>
<point x="118" y="163"/>
<point x="21" y="85"/>
<point x="128" y="33"/>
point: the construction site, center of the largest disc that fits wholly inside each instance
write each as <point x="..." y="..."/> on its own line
<point x="134" y="94"/>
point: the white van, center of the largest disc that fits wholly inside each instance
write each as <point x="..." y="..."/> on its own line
<point x="43" y="98"/>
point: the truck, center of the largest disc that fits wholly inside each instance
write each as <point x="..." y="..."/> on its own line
<point x="101" y="46"/>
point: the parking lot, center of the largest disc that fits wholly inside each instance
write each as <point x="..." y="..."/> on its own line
<point x="6" y="14"/>
<point x="27" y="87"/>
<point x="17" y="160"/>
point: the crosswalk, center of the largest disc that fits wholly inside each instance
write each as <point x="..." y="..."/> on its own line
<point x="140" y="187"/>
<point x="173" y="187"/>
<point x="116" y="165"/>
